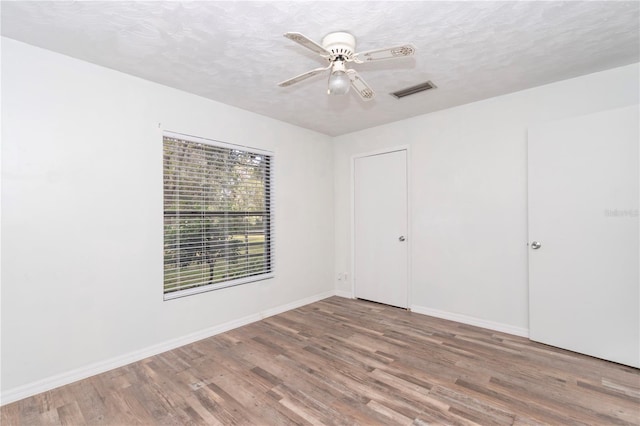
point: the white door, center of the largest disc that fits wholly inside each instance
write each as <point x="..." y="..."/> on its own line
<point x="584" y="284"/>
<point x="380" y="227"/>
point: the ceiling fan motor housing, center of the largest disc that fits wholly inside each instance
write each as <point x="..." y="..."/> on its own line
<point x="340" y="44"/>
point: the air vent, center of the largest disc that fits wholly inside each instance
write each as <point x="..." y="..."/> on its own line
<point x="414" y="89"/>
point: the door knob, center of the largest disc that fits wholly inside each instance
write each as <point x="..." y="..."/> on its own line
<point x="401" y="238"/>
<point x="535" y="245"/>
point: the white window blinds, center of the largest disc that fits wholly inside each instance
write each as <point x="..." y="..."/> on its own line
<point x="218" y="215"/>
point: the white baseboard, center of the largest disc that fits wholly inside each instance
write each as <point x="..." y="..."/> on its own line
<point x="68" y="377"/>
<point x="298" y="303"/>
<point x="491" y="325"/>
<point x="345" y="294"/>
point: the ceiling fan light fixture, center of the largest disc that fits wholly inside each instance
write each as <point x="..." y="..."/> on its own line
<point x="339" y="83"/>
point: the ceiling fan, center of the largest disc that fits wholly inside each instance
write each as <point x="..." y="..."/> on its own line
<point x="339" y="48"/>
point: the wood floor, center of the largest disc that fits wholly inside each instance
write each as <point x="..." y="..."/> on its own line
<point x="341" y="361"/>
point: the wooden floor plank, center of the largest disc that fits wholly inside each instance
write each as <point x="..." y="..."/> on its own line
<point x="342" y="361"/>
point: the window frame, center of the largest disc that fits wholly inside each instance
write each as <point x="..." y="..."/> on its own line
<point x="269" y="226"/>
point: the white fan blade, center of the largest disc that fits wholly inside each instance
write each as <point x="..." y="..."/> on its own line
<point x="382" y="54"/>
<point x="303" y="76"/>
<point x="360" y="86"/>
<point x="305" y="41"/>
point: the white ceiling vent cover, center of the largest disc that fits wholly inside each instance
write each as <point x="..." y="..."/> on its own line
<point x="427" y="85"/>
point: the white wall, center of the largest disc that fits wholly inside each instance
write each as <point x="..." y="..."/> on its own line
<point x="469" y="194"/>
<point x="82" y="217"/>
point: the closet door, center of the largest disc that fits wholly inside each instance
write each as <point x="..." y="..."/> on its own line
<point x="380" y="228"/>
<point x="584" y="291"/>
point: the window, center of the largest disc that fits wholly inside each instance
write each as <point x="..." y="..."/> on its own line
<point x="218" y="215"/>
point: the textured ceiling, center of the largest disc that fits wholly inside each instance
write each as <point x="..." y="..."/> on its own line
<point x="234" y="52"/>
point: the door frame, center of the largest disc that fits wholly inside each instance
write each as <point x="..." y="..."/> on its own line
<point x="352" y="251"/>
